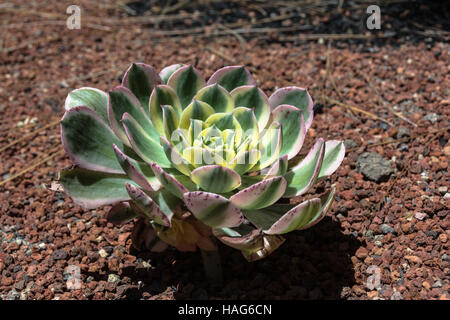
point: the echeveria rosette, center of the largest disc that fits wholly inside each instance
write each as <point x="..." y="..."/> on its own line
<point x="191" y="159"/>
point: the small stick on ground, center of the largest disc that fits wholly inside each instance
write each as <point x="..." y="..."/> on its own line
<point x="382" y="101"/>
<point x="51" y="124"/>
<point x="58" y="153"/>
<point x="373" y="116"/>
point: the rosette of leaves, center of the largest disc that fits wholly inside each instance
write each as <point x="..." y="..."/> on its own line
<point x="193" y="160"/>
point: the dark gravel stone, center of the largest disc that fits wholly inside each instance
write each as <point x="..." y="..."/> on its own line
<point x="431" y="233"/>
<point x="402" y="132"/>
<point x="9" y="260"/>
<point x="60" y="254"/>
<point x="20" y="285"/>
<point x="350" y="144"/>
<point x="387" y="229"/>
<point x="374" y="167"/>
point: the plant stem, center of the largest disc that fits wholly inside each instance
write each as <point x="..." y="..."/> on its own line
<point x="213" y="266"/>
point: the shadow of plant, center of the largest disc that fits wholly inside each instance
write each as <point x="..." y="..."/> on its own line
<point x="311" y="264"/>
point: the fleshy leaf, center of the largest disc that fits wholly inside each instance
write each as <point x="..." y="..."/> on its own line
<point x="224" y="121"/>
<point x="147" y="206"/>
<point x="326" y="203"/>
<point x="217" y="97"/>
<point x="334" y="154"/>
<point x="247" y="119"/>
<point x="141" y="78"/>
<point x="254" y="98"/>
<point x="260" y="195"/>
<point x="121" y="100"/>
<point x="166" y="201"/>
<point x="139" y="173"/>
<point x="92" y="98"/>
<point x="295" y="218"/>
<point x="162" y="95"/>
<point x="297" y="97"/>
<point x="242" y="237"/>
<point x="253" y="244"/>
<point x="231" y="77"/>
<point x="148" y="149"/>
<point x="168" y="181"/>
<point x="186" y="81"/>
<point x="215" y="178"/>
<point x="292" y="127"/>
<point x="270" y="146"/>
<point x="170" y="120"/>
<point x="175" y="157"/>
<point x="213" y="209"/>
<point x="197" y="110"/>
<point x="167" y="71"/>
<point x="92" y="189"/>
<point x="199" y="157"/>
<point x="88" y="140"/>
<point x="120" y="213"/>
<point x="278" y="168"/>
<point x="244" y="161"/>
<point x="302" y="177"/>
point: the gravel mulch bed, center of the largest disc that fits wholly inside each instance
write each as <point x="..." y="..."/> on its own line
<point x="390" y="217"/>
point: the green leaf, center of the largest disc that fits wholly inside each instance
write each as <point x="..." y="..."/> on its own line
<point x="292" y="127"/>
<point x="224" y="121"/>
<point x="148" y="149"/>
<point x="162" y="95"/>
<point x="121" y="100"/>
<point x="247" y="119"/>
<point x="334" y="154"/>
<point x="167" y="71"/>
<point x="140" y="173"/>
<point x="168" y="181"/>
<point x="186" y="81"/>
<point x="175" y="157"/>
<point x="278" y="168"/>
<point x="148" y="207"/>
<point x="297" y="97"/>
<point x="197" y="110"/>
<point x="141" y="79"/>
<point x="302" y="177"/>
<point x="231" y="77"/>
<point x="217" y="97"/>
<point x="215" y="178"/>
<point x="88" y="140"/>
<point x="326" y="203"/>
<point x="274" y="221"/>
<point x="244" y="161"/>
<point x="254" y="98"/>
<point x="260" y="195"/>
<point x="269" y="145"/>
<point x="198" y="157"/>
<point x="92" y="98"/>
<point x="92" y="189"/>
<point x="253" y="243"/>
<point x="170" y="121"/>
<point x="213" y="209"/>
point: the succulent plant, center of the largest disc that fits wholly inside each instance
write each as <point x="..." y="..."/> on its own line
<point x="192" y="159"/>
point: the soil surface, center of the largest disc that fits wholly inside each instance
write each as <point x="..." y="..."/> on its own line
<point x="387" y="96"/>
